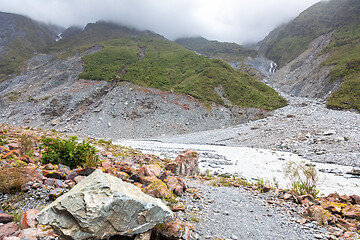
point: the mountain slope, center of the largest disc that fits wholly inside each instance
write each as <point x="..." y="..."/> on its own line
<point x="229" y="52"/>
<point x="288" y="41"/>
<point x="20" y="38"/>
<point x="162" y="64"/>
<point x="339" y="59"/>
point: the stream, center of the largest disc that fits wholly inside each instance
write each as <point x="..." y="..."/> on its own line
<point x="254" y="164"/>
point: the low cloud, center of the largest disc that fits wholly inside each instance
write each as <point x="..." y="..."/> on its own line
<point x="240" y="21"/>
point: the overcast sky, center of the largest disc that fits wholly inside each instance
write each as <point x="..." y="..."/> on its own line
<point x="240" y="21"/>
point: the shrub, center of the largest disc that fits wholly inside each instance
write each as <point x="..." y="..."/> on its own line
<point x="26" y="145"/>
<point x="3" y="140"/>
<point x="69" y="152"/>
<point x="303" y="178"/>
<point x="11" y="180"/>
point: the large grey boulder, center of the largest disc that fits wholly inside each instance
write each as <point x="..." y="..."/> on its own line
<point x="101" y="206"/>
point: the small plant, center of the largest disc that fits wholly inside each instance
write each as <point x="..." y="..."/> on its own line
<point x="303" y="178"/>
<point x="3" y="141"/>
<point x="26" y="145"/>
<point x="68" y="152"/>
<point x="11" y="180"/>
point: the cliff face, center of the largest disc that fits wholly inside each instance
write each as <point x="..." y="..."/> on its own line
<point x="305" y="76"/>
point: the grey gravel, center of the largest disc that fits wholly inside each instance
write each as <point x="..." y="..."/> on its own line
<point x="235" y="213"/>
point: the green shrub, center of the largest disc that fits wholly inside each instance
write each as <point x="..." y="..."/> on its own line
<point x="303" y="178"/>
<point x="26" y="145"/>
<point x="69" y="153"/>
<point x="3" y="140"/>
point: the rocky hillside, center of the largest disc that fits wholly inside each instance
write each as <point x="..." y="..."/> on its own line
<point x="20" y="39"/>
<point x="319" y="52"/>
<point x="229" y="52"/>
<point x="128" y="83"/>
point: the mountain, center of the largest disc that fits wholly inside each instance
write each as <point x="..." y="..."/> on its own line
<point x="20" y="39"/>
<point x="229" y="52"/>
<point x="127" y="83"/>
<point x="319" y="53"/>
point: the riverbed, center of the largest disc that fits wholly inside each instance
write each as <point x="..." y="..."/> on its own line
<point x="254" y="164"/>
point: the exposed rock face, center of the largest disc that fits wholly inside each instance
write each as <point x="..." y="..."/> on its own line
<point x="101" y="206"/>
<point x="185" y="163"/>
<point x="305" y="76"/>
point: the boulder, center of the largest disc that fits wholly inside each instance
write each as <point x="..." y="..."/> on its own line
<point x="27" y="219"/>
<point x="102" y="206"/>
<point x="355" y="199"/>
<point x="176" y="185"/>
<point x="185" y="163"/>
<point x="8" y="229"/>
<point x="174" y="230"/>
<point x="5" y="218"/>
<point x="152" y="170"/>
<point x="351" y="211"/>
<point x="158" y="189"/>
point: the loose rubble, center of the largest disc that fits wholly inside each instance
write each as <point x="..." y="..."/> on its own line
<point x="196" y="206"/>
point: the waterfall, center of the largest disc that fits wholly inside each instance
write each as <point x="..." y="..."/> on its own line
<point x="273" y="67"/>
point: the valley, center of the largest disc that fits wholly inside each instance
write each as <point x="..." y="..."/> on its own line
<point x="243" y="115"/>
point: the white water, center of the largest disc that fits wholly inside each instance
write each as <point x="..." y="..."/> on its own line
<point x="253" y="164"/>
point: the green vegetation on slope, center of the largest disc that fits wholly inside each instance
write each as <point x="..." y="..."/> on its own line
<point x="152" y="62"/>
<point x="342" y="17"/>
<point x="289" y="41"/>
<point x="229" y="52"/>
<point x="345" y="57"/>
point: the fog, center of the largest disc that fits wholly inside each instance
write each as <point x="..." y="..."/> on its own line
<point x="241" y="21"/>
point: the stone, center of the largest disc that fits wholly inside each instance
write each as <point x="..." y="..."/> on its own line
<point x="178" y="207"/>
<point x="102" y="206"/>
<point x="176" y="185"/>
<point x="174" y="230"/>
<point x="107" y="164"/>
<point x="147" y="180"/>
<point x="78" y="179"/>
<point x="351" y="211"/>
<point x="54" y="182"/>
<point x="50" y="166"/>
<point x="329" y="132"/>
<point x="355" y="171"/>
<point x="355" y="199"/>
<point x="320" y="215"/>
<point x="31" y="234"/>
<point x="72" y="175"/>
<point x="122" y="175"/>
<point x="265" y="189"/>
<point x="125" y="167"/>
<point x="165" y="174"/>
<point x="8" y="229"/>
<point x="152" y="170"/>
<point x="158" y="189"/>
<point x="5" y="218"/>
<point x="11" y="238"/>
<point x="27" y="219"/>
<point x="144" y="236"/>
<point x="333" y="207"/>
<point x="345" y="198"/>
<point x="14" y="146"/>
<point x="54" y="174"/>
<point x="55" y="193"/>
<point x="185" y="163"/>
<point x="26" y="159"/>
<point x="85" y="171"/>
<point x="344" y="223"/>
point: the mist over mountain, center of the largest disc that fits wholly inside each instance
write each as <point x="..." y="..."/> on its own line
<point x="232" y="21"/>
